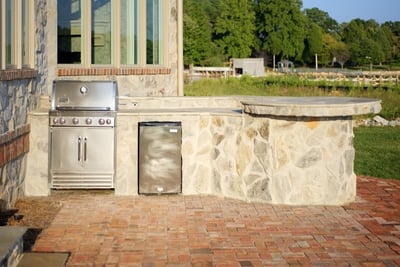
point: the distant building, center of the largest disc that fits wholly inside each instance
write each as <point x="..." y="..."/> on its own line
<point x="249" y="66"/>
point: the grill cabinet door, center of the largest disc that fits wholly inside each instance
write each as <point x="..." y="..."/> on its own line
<point x="81" y="157"/>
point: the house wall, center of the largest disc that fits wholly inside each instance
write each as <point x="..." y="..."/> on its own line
<point x="149" y="80"/>
<point x="20" y="91"/>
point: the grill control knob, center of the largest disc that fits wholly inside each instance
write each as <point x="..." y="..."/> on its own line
<point x="75" y="120"/>
<point x="108" y="121"/>
<point x="55" y="120"/>
<point x="102" y="121"/>
<point x="88" y="121"/>
<point x="62" y="121"/>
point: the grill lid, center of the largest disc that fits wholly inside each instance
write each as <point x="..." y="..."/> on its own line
<point x="84" y="95"/>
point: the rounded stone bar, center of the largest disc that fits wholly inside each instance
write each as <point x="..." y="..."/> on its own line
<point x="311" y="106"/>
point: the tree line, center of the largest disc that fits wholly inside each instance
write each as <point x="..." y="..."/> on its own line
<point x="217" y="30"/>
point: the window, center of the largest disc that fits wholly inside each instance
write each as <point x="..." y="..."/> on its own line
<point x="16" y="34"/>
<point x="89" y="33"/>
<point x="154" y="32"/>
<point x="129" y="32"/>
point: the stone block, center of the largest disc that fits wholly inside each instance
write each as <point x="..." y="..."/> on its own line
<point x="11" y="245"/>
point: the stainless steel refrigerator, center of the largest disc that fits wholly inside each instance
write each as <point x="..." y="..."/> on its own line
<point x="160" y="159"/>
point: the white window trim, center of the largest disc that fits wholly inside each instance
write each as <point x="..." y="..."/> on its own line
<point x="30" y="34"/>
<point x="16" y="30"/>
<point x="2" y="34"/>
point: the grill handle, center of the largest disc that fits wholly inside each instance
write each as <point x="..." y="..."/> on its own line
<point x="85" y="149"/>
<point x="79" y="148"/>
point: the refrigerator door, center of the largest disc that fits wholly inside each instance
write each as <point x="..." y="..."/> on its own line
<point x="160" y="160"/>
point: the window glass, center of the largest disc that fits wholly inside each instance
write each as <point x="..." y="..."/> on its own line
<point x="129" y="31"/>
<point x="8" y="32"/>
<point x="69" y="31"/>
<point x="87" y="32"/>
<point x="101" y="31"/>
<point x="24" y="33"/>
<point x="153" y="32"/>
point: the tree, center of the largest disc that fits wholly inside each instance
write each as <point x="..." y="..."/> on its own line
<point x="234" y="28"/>
<point x="367" y="41"/>
<point x="383" y="37"/>
<point x="341" y="53"/>
<point x="395" y="38"/>
<point x="322" y="19"/>
<point x="395" y="30"/>
<point x="196" y="33"/>
<point x="313" y="42"/>
<point x="280" y="27"/>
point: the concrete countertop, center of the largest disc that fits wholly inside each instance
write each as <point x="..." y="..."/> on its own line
<point x="40" y="111"/>
<point x="236" y="105"/>
<point x="311" y="106"/>
<point x="179" y="111"/>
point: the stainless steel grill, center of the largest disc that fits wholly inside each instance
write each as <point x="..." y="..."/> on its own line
<point x="82" y="134"/>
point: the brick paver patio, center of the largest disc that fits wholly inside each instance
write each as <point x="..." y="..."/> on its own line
<point x="105" y="230"/>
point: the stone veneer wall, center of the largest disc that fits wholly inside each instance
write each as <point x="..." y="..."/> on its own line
<point x="227" y="152"/>
<point x="263" y="159"/>
<point x="20" y="91"/>
<point x="14" y="138"/>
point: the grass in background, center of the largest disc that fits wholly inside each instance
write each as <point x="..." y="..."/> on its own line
<point x="292" y="85"/>
<point x="377" y="151"/>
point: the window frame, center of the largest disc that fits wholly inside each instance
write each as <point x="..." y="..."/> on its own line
<point x="19" y="22"/>
<point x="86" y="45"/>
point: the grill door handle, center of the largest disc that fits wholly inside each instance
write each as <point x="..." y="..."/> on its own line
<point x="79" y="148"/>
<point x="85" y="149"/>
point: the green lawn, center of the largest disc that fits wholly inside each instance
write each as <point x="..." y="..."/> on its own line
<point x="377" y="151"/>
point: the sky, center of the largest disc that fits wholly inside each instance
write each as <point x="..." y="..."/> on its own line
<point x="346" y="10"/>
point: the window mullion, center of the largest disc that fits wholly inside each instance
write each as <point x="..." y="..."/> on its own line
<point x="142" y="33"/>
<point x="3" y="34"/>
<point x="130" y="25"/>
<point x="164" y="42"/>
<point x="115" y="30"/>
<point x="16" y="29"/>
<point x="86" y="29"/>
<point x="30" y="29"/>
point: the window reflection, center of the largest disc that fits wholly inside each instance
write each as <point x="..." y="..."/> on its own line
<point x="69" y="31"/>
<point x="101" y="32"/>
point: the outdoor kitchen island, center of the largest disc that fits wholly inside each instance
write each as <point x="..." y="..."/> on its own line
<point x="280" y="150"/>
<point x="291" y="150"/>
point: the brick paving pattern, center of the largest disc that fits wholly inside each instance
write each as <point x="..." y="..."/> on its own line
<point x="175" y="230"/>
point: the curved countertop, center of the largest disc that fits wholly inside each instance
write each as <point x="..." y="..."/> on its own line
<point x="310" y="106"/>
<point x="323" y="106"/>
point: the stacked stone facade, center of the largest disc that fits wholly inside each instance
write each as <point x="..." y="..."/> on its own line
<point x="20" y="91"/>
<point x="14" y="137"/>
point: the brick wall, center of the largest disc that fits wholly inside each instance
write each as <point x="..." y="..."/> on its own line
<point x="14" y="144"/>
